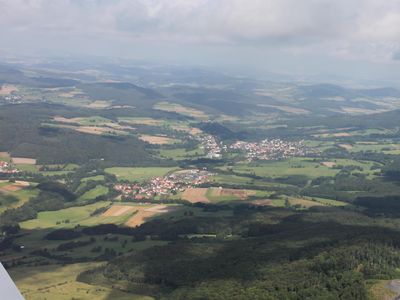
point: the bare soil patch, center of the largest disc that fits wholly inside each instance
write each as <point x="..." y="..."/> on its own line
<point x="195" y="195"/>
<point x="153" y="139"/>
<point x="329" y="164"/>
<point x="14" y="186"/>
<point x="241" y="194"/>
<point x="24" y="160"/>
<point x="4" y="154"/>
<point x="7" y="89"/>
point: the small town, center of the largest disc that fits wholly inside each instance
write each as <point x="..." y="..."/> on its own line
<point x="212" y="148"/>
<point x="7" y="168"/>
<point x="159" y="186"/>
<point x="274" y="149"/>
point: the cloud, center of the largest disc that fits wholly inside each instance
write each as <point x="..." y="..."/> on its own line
<point x="396" y="56"/>
<point x="349" y="29"/>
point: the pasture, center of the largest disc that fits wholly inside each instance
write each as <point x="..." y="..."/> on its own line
<point x="181" y="153"/>
<point x="99" y="190"/>
<point x="311" y="168"/>
<point x="13" y="195"/>
<point x="72" y="216"/>
<point x="139" y="174"/>
<point x="292" y="166"/>
<point x="59" y="282"/>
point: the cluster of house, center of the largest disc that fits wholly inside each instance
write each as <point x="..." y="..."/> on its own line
<point x="7" y="168"/>
<point x="212" y="148"/>
<point x="273" y="149"/>
<point x="158" y="186"/>
<point x="13" y="99"/>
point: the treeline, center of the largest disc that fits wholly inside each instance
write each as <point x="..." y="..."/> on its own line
<point x="28" y="138"/>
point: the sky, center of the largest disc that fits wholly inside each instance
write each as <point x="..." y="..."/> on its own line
<point x="358" y="38"/>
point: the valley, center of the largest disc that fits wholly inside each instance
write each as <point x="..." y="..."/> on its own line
<point x="117" y="189"/>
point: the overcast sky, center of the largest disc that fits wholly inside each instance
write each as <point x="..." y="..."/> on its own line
<point x="356" y="37"/>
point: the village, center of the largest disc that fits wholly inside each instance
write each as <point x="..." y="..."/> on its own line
<point x="7" y="168"/>
<point x="13" y="99"/>
<point x="212" y="148"/>
<point x="273" y="149"/>
<point x="162" y="186"/>
<point x="267" y="149"/>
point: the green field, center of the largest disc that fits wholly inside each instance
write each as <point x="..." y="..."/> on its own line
<point x="138" y="174"/>
<point x="181" y="153"/>
<point x="292" y="166"/>
<point x="70" y="217"/>
<point x="21" y="196"/>
<point x="93" y="178"/>
<point x="299" y="166"/>
<point x="329" y="202"/>
<point x="99" y="190"/>
<point x="59" y="282"/>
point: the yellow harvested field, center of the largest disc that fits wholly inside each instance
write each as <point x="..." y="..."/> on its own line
<point x="7" y="89"/>
<point x="97" y="130"/>
<point x="66" y="120"/>
<point x="180" y="109"/>
<point x="346" y="146"/>
<point x="93" y="129"/>
<point x="357" y="110"/>
<point x="336" y="134"/>
<point x="146" y="212"/>
<point x="188" y="129"/>
<point x="341" y="134"/>
<point x="71" y="94"/>
<point x="141" y="213"/>
<point x="99" y="104"/>
<point x="304" y="203"/>
<point x="329" y="164"/>
<point x="195" y="195"/>
<point x="153" y="139"/>
<point x="24" y="160"/>
<point x="4" y="154"/>
<point x="118" y="210"/>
